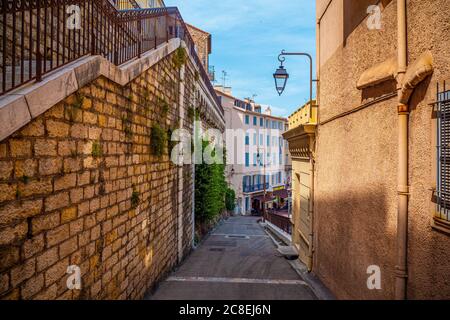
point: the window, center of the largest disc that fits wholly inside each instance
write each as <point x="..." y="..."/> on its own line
<point x="267" y="123"/>
<point x="274" y="124"/>
<point x="261" y="122"/>
<point x="268" y="141"/>
<point x="261" y="139"/>
<point x="255" y="121"/>
<point x="255" y="160"/>
<point x="255" y="139"/>
<point x="247" y="159"/>
<point x="245" y="182"/>
<point x="247" y="139"/>
<point x="281" y="158"/>
<point x="247" y="119"/>
<point x="443" y="165"/>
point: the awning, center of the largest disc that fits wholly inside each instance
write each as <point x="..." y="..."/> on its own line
<point x="269" y="198"/>
<point x="283" y="194"/>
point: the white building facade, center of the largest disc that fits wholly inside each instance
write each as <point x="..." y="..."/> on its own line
<point x="260" y="166"/>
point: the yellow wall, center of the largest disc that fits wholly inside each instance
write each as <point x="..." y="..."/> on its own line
<point x="304" y="115"/>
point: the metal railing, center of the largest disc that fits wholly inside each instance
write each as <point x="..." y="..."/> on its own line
<point x="126" y="4"/>
<point x="443" y="152"/>
<point x="282" y="222"/>
<point x="255" y="188"/>
<point x="39" y="36"/>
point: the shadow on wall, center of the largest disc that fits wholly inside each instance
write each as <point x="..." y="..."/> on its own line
<point x="355" y="11"/>
<point x="378" y="91"/>
<point x="355" y="230"/>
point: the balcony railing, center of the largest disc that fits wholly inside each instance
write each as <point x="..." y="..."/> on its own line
<point x="255" y="188"/>
<point x="126" y="4"/>
<point x="280" y="221"/>
<point x="40" y="36"/>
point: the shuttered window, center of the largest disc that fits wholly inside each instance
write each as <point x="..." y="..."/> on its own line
<point x="443" y="149"/>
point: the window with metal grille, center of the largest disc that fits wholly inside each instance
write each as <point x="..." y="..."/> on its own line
<point x="443" y="149"/>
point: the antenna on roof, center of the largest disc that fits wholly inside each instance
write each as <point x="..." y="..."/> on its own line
<point x="224" y="77"/>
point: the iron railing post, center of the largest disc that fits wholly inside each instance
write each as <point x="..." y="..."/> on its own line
<point x="38" y="42"/>
<point x="139" y="38"/>
<point x="93" y="30"/>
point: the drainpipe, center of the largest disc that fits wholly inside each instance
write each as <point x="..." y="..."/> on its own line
<point x="401" y="272"/>
<point x="311" y="212"/>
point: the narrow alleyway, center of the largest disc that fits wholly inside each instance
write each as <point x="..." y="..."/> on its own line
<point x="238" y="261"/>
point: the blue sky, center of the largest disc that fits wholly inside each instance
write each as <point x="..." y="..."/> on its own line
<point x="247" y="38"/>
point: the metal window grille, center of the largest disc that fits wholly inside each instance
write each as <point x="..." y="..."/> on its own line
<point x="443" y="150"/>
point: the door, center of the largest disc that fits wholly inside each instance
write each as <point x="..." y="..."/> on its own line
<point x="302" y="211"/>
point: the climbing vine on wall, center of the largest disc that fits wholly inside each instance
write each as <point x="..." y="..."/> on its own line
<point x="210" y="188"/>
<point x="179" y="57"/>
<point x="158" y="140"/>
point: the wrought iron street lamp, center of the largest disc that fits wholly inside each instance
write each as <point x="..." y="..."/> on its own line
<point x="281" y="75"/>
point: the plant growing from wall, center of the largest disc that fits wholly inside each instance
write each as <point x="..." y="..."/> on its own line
<point x="170" y="144"/>
<point x="210" y="188"/>
<point x="179" y="57"/>
<point x="127" y="125"/>
<point x="163" y="106"/>
<point x="96" y="149"/>
<point x="191" y="113"/>
<point x="158" y="140"/>
<point x="25" y="179"/>
<point x="74" y="109"/>
<point x="135" y="199"/>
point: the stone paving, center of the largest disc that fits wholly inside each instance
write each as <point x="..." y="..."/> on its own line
<point x="238" y="261"/>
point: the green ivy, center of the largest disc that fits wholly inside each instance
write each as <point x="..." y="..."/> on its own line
<point x="158" y="140"/>
<point x="210" y="188"/>
<point x="230" y="199"/>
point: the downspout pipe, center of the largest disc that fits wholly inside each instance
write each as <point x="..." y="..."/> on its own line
<point x="401" y="272"/>
<point x="408" y="79"/>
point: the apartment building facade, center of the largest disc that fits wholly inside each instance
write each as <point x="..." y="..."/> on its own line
<point x="260" y="172"/>
<point x="380" y="200"/>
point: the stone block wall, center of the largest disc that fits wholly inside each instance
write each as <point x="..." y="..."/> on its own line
<point x="79" y="185"/>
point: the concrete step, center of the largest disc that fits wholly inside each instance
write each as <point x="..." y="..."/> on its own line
<point x="289" y="252"/>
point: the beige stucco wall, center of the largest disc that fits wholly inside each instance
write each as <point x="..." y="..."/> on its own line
<point x="356" y="169"/>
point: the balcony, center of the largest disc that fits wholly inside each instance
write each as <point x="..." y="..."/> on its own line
<point x="255" y="188"/>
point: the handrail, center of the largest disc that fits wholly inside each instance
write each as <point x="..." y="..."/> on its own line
<point x="280" y="221"/>
<point x="40" y="36"/>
